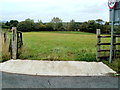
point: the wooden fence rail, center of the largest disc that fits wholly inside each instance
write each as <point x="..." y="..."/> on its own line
<point x="99" y="44"/>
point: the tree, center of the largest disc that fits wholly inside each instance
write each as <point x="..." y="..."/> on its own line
<point x="40" y="22"/>
<point x="7" y="23"/>
<point x="49" y="27"/>
<point x="84" y="27"/>
<point x="13" y="23"/>
<point x="72" y="25"/>
<point x="92" y="26"/>
<point x="99" y="21"/>
<point x="27" y="25"/>
<point x="107" y="23"/>
<point x="56" y="23"/>
<point x="3" y="25"/>
<point x="39" y="26"/>
<point x="29" y="20"/>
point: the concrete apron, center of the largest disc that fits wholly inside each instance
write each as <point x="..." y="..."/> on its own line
<point x="56" y="68"/>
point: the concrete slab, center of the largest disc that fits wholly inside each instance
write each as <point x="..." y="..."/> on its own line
<point x="56" y="68"/>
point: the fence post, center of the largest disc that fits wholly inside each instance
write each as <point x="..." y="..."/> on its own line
<point x="98" y="32"/>
<point x="10" y="48"/>
<point x="14" y="43"/>
<point x="4" y="34"/>
<point x="0" y="44"/>
<point x="21" y="41"/>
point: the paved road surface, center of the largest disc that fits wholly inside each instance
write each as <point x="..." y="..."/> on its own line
<point x="25" y="81"/>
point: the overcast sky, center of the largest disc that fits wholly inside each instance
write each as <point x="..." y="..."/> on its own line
<point x="45" y="10"/>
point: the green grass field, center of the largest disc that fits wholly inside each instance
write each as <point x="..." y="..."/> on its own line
<point x="59" y="46"/>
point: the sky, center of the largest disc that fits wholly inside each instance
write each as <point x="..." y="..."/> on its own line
<point x="45" y="10"/>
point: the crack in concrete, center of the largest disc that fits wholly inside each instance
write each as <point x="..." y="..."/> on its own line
<point x="49" y="83"/>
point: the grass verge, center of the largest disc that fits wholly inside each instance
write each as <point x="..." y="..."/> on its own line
<point x="115" y="65"/>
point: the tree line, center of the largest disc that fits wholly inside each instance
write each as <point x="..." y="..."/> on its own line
<point x="56" y="24"/>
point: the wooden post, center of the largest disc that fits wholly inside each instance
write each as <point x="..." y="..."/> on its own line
<point x="98" y="46"/>
<point x="14" y="43"/>
<point x="21" y="41"/>
<point x="18" y="41"/>
<point x="10" y="48"/>
<point x="4" y="37"/>
<point x="0" y="44"/>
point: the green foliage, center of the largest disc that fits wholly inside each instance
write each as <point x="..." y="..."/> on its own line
<point x="12" y="23"/>
<point x="56" y="23"/>
<point x="72" y="25"/>
<point x="115" y="65"/>
<point x="49" y="27"/>
<point x="86" y="55"/>
<point x="26" y="26"/>
<point x="92" y="25"/>
<point x="99" y="21"/>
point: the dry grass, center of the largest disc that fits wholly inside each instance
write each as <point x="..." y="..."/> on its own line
<point x="4" y="52"/>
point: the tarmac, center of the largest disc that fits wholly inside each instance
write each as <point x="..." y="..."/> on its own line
<point x="56" y="68"/>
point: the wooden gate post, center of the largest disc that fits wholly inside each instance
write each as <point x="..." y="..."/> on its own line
<point x="4" y="34"/>
<point x="21" y="41"/>
<point x="0" y="44"/>
<point x="98" y="46"/>
<point x="14" y="43"/>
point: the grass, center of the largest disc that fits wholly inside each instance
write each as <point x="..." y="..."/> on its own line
<point x="71" y="32"/>
<point x="72" y="46"/>
<point x="4" y="49"/>
<point x="5" y="52"/>
<point x="115" y="65"/>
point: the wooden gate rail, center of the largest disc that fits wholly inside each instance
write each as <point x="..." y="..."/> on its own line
<point x="99" y="44"/>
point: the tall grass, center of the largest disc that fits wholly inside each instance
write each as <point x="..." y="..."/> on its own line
<point x="5" y="54"/>
<point x="115" y="65"/>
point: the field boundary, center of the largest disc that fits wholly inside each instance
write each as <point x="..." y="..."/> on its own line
<point x="99" y="44"/>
